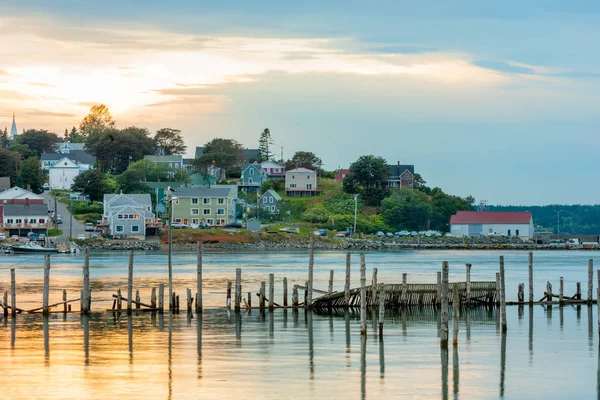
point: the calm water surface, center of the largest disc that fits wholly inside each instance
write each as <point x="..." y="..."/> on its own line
<point x="548" y="353"/>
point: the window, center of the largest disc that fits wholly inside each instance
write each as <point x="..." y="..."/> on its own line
<point x="221" y="201"/>
<point x="195" y="221"/>
<point x="194" y="200"/>
<point x="251" y="171"/>
<point x="119" y="228"/>
<point x="516" y="232"/>
<point x="9" y="221"/>
<point x="272" y="208"/>
<point x="210" y="221"/>
<point x="135" y="228"/>
<point x="220" y="222"/>
<point x="265" y="200"/>
<point x="42" y="221"/>
<point x="292" y="185"/>
<point x="195" y="211"/>
<point x="509" y="232"/>
<point x="221" y="211"/>
<point x="309" y="186"/>
<point x="206" y="211"/>
<point x="250" y="180"/>
<point x="270" y="200"/>
<point x="293" y="177"/>
<point x="307" y="176"/>
<point x="19" y="220"/>
<point x="206" y="201"/>
<point x="120" y="216"/>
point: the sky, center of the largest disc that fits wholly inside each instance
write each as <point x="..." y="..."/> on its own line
<point x="500" y="101"/>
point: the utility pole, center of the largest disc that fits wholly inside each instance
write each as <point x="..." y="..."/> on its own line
<point x="355" y="210"/>
<point x="558" y="221"/>
<point x="55" y="214"/>
<point x="170" y="240"/>
<point x="71" y="222"/>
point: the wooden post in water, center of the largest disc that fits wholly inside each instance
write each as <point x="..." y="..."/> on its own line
<point x="119" y="300"/>
<point x="161" y="297"/>
<point x="468" y="299"/>
<point x="438" y="299"/>
<point x="64" y="297"/>
<point x="311" y="264"/>
<point x="153" y="298"/>
<point x="497" y="288"/>
<point x="530" y="278"/>
<point x="330" y="287"/>
<point x="561" y="292"/>
<point x="262" y="295"/>
<point x="363" y="295"/>
<point x="5" y="302"/>
<point x="381" y="309"/>
<point x="404" y="294"/>
<point x="502" y="294"/>
<point x="189" y="300"/>
<point x="548" y="291"/>
<point x="137" y="300"/>
<point x="590" y="279"/>
<point x="444" y="330"/>
<point x="295" y="296"/>
<point x="374" y="288"/>
<point x="578" y="291"/>
<point x="13" y="293"/>
<point x="521" y="293"/>
<point x="285" y="292"/>
<point x="86" y="294"/>
<point x="598" y="301"/>
<point x="238" y="288"/>
<point x="305" y="293"/>
<point x="347" y="284"/>
<point x="199" y="251"/>
<point x="271" y="291"/>
<point x="228" y="299"/>
<point x="455" y="314"/>
<point x="249" y="300"/>
<point x="130" y="283"/>
<point x="46" y="294"/>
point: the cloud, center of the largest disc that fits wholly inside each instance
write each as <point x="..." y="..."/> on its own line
<point x="504" y="67"/>
<point x="14" y="95"/>
<point x="402" y="50"/>
<point x="42" y="84"/>
<point x="44" y="113"/>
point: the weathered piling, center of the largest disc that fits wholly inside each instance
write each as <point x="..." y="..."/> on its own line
<point x="521" y="293"/>
<point x="238" y="288"/>
<point x="381" y="309"/>
<point x="64" y="298"/>
<point x="403" y="296"/>
<point x="262" y="295"/>
<point x="468" y="294"/>
<point x="5" y="303"/>
<point x="347" y="284"/>
<point x="46" y="294"/>
<point x="374" y="288"/>
<point x="561" y="291"/>
<point x="502" y="294"/>
<point x="438" y="299"/>
<point x="295" y="296"/>
<point x="13" y="292"/>
<point x="590" y="280"/>
<point x="228" y="299"/>
<point x="137" y="300"/>
<point x="455" y="314"/>
<point x="190" y="301"/>
<point x="548" y="291"/>
<point x="161" y="297"/>
<point x="119" y="301"/>
<point x="271" y="291"/>
<point x="199" y="252"/>
<point x="86" y="294"/>
<point x="285" y="292"/>
<point x="249" y="300"/>
<point x="330" y="287"/>
<point x="153" y="298"/>
<point x="363" y="295"/>
<point x="598" y="301"/>
<point x="530" y="278"/>
<point x="130" y="283"/>
<point x="578" y="291"/>
<point x="498" y="288"/>
<point x="444" y="330"/>
<point x="311" y="264"/>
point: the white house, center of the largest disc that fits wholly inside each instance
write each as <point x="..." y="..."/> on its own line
<point x="489" y="223"/>
<point x="301" y="182"/>
<point x="79" y="157"/>
<point x="63" y="173"/>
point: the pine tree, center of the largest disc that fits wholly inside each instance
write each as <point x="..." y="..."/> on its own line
<point x="264" y="146"/>
<point x="4" y="139"/>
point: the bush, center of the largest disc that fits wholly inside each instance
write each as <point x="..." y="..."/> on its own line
<point x="316" y="215"/>
<point x="54" y="232"/>
<point x="364" y="224"/>
<point x="342" y="204"/>
<point x="274" y="184"/>
<point x="84" y="207"/>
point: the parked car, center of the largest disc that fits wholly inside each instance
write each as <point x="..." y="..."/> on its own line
<point x="449" y="235"/>
<point x="81" y="236"/>
<point x="345" y="233"/>
<point x="2" y="236"/>
<point x="178" y="225"/>
<point x="94" y="235"/>
<point x="206" y="225"/>
<point x="389" y="234"/>
<point x="89" y="227"/>
<point x="15" y="238"/>
<point x="380" y="234"/>
<point x="414" y="234"/>
<point x="320" y="232"/>
<point x="41" y="237"/>
<point x="57" y="219"/>
<point x="45" y="186"/>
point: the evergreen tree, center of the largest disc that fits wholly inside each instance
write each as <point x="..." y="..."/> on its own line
<point x="4" y="139"/>
<point x="264" y="146"/>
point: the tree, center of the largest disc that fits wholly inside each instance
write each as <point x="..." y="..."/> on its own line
<point x="93" y="183"/>
<point x="130" y="182"/>
<point x="22" y="149"/>
<point x="39" y="141"/>
<point x="369" y="171"/>
<point x="96" y="122"/>
<point x="30" y="174"/>
<point x="406" y="209"/>
<point x="264" y="146"/>
<point x="170" y="141"/>
<point x="304" y="159"/>
<point x="146" y="170"/>
<point x="229" y="146"/>
<point x="9" y="164"/>
<point x="225" y="161"/>
<point x="4" y="138"/>
<point x="74" y="136"/>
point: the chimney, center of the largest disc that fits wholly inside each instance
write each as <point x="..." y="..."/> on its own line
<point x="28" y="188"/>
<point x="398" y="164"/>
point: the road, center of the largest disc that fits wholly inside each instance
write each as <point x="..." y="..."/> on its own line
<point x="78" y="227"/>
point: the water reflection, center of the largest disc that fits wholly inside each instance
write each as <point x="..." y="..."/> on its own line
<point x="530" y="335"/>
<point x="444" y="358"/>
<point x="311" y="344"/>
<point x="590" y="328"/>
<point x="381" y="359"/>
<point x="468" y="322"/>
<point x="238" y="327"/>
<point x="271" y="324"/>
<point x="199" y="344"/>
<point x="455" y="371"/>
<point x="502" y="363"/>
<point x="170" y="355"/>
<point x="13" y="332"/>
<point x="46" y="339"/>
<point x="363" y="367"/>
<point x="85" y="323"/>
<point x="348" y="337"/>
<point x="130" y="336"/>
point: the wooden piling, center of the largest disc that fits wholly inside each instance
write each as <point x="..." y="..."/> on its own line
<point x="381" y="308"/>
<point x="374" y="288"/>
<point x="305" y="293"/>
<point x="468" y="294"/>
<point x="262" y="295"/>
<point x="228" y="299"/>
<point x="521" y="293"/>
<point x="5" y="302"/>
<point x="271" y="291"/>
<point x="455" y="314"/>
<point x="598" y="301"/>
<point x="311" y="264"/>
<point x="295" y="296"/>
<point x="238" y="288"/>
<point x="347" y="284"/>
<point x="190" y="301"/>
<point x="249" y="300"/>
<point x="404" y="294"/>
<point x="502" y="294"/>
<point x="199" y="251"/>
<point x="590" y="280"/>
<point x="578" y="291"/>
<point x="438" y="299"/>
<point x="530" y="278"/>
<point x="444" y="329"/>
<point x="285" y="292"/>
<point x="161" y="297"/>
<point x="130" y="283"/>
<point x="46" y="294"/>
<point x="13" y="292"/>
<point x="548" y="291"/>
<point x="137" y="299"/>
<point x="561" y="291"/>
<point x="177" y="302"/>
<point x="64" y="298"/>
<point x="119" y="301"/>
<point x="86" y="294"/>
<point x="330" y="286"/>
<point x="153" y="298"/>
<point x="363" y="295"/>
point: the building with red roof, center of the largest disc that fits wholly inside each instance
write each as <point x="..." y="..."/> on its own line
<point x="490" y="223"/>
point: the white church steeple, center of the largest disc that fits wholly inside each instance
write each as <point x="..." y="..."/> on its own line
<point x="13" y="129"/>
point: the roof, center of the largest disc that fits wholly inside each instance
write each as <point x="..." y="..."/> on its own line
<point x="26" y="210"/>
<point x="298" y="170"/>
<point x="490" y="217"/>
<point x="82" y="157"/>
<point x="199" y="151"/>
<point x="175" y="158"/>
<point x="4" y="182"/>
<point x="198" y="178"/>
<point x="112" y="200"/>
<point x="18" y="193"/>
<point x="270" y="164"/>
<point x="398" y="169"/>
<point x="73" y="146"/>
<point x="273" y="193"/>
<point x="13" y="128"/>
<point x="202" y="192"/>
<point x="68" y="163"/>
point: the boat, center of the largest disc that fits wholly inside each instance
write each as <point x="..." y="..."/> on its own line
<point x="33" y="247"/>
